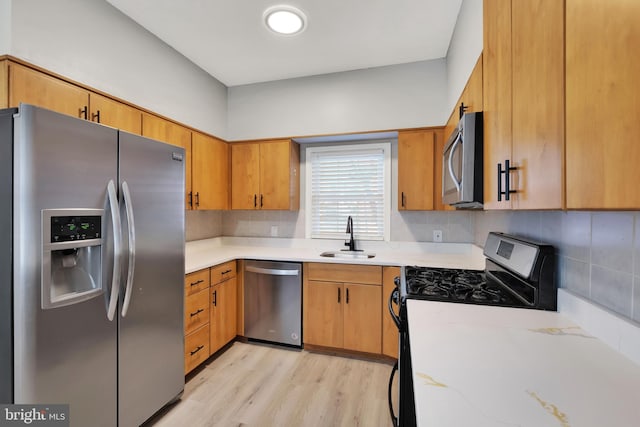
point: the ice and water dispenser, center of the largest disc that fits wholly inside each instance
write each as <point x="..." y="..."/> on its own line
<point x="72" y="248"/>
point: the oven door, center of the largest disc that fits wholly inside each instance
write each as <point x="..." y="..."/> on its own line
<point x="452" y="168"/>
<point x="406" y="416"/>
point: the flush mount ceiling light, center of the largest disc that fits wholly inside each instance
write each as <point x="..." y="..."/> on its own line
<point x="286" y="20"/>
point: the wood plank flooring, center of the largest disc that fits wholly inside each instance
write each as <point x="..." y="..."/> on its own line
<point x="258" y="385"/>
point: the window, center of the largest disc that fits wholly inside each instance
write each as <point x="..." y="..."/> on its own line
<point x="351" y="180"/>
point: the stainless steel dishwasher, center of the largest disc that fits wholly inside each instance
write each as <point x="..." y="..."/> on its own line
<point x="272" y="302"/>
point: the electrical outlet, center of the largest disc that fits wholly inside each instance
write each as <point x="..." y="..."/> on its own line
<point x="437" y="236"/>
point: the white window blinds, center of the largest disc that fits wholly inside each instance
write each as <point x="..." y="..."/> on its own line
<point x="349" y="181"/>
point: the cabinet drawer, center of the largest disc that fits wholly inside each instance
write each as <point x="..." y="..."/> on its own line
<point x="196" y="311"/>
<point x="223" y="272"/>
<point x="196" y="348"/>
<point x="351" y="273"/>
<point x="196" y="281"/>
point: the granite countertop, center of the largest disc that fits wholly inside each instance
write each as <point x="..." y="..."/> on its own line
<point x="487" y="366"/>
<point x="206" y="253"/>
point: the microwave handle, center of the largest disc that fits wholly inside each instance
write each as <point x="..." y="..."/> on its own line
<point x="457" y="183"/>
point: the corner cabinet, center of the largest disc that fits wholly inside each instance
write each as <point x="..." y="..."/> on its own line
<point x="341" y="306"/>
<point x="265" y="175"/>
<point x="603" y="106"/>
<point x="523" y="97"/>
<point x="416" y="169"/>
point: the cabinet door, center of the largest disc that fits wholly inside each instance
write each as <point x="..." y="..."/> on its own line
<point x="210" y="173"/>
<point x="275" y="174"/>
<point x="115" y="114"/>
<point x="497" y="96"/>
<point x="163" y="130"/>
<point x="363" y="318"/>
<point x="32" y="87"/>
<point x="389" y="328"/>
<point x="603" y="106"/>
<point x="245" y="175"/>
<point x="223" y="314"/>
<point x="415" y="170"/>
<point x="324" y="314"/>
<point x="538" y="103"/>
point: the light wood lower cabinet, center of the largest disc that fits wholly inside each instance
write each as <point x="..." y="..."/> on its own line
<point x="209" y="313"/>
<point x="222" y="314"/>
<point x="389" y="328"/>
<point x="341" y="306"/>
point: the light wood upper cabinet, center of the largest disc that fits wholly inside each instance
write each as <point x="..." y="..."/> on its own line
<point x="115" y="114"/>
<point x="155" y="127"/>
<point x="523" y="100"/>
<point x="4" y="83"/>
<point x="265" y="175"/>
<point x="602" y="105"/>
<point x="32" y="87"/>
<point x="210" y="173"/>
<point x="416" y="169"/>
<point x="389" y="328"/>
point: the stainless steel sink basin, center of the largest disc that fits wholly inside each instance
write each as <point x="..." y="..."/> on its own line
<point x="347" y="254"/>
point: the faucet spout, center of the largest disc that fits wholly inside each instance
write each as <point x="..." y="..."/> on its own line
<point x="351" y="243"/>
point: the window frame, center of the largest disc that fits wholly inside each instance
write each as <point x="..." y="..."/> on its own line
<point x="385" y="146"/>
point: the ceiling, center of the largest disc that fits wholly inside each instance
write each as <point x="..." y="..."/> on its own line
<point x="227" y="38"/>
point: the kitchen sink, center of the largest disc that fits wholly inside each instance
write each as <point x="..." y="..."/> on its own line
<point x="347" y="254"/>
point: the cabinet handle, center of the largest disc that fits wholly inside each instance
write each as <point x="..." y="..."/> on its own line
<point x="190" y="199"/>
<point x="215" y="298"/>
<point x="462" y="109"/>
<point x="403" y="203"/>
<point x="506" y="171"/>
<point x="255" y="200"/>
<point x="347" y="296"/>
<point x="338" y="295"/>
<point x="261" y="200"/>
<point x="197" y="199"/>
<point x="197" y="282"/>
<point x="200" y="310"/>
<point x="226" y="272"/>
<point x="83" y="112"/>
<point x="200" y="347"/>
<point x="96" y="117"/>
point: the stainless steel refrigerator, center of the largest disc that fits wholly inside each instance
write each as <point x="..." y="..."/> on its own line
<point x="91" y="268"/>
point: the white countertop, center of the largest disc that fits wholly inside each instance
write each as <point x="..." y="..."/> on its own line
<point x="487" y="366"/>
<point x="206" y="253"/>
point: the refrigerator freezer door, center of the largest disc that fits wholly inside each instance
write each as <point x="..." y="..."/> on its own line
<point x="151" y="355"/>
<point x="65" y="354"/>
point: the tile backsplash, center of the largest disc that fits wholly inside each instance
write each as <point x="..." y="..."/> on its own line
<point x="598" y="252"/>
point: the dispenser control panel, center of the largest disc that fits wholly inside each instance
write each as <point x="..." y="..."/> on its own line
<point x="75" y="228"/>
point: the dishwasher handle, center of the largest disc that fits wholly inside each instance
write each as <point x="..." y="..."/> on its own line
<point x="272" y="271"/>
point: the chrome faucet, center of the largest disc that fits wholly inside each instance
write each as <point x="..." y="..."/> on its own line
<point x="351" y="243"/>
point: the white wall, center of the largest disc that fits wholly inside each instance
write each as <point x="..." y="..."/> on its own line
<point x="93" y="43"/>
<point x="464" y="49"/>
<point x="398" y="96"/>
<point x="5" y="26"/>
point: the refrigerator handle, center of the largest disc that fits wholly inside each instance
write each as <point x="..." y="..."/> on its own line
<point x="132" y="247"/>
<point x="117" y="248"/>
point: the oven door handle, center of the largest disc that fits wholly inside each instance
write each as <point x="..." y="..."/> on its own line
<point x="394" y="419"/>
<point x="394" y="298"/>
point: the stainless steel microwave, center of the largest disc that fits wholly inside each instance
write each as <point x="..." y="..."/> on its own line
<point x="462" y="164"/>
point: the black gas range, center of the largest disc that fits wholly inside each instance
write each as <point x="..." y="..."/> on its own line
<point x="518" y="273"/>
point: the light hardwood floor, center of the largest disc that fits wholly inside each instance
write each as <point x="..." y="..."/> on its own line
<point x="259" y="385"/>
